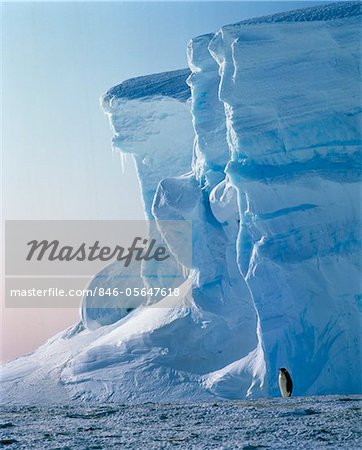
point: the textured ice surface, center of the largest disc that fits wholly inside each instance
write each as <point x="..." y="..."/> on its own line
<point x="293" y="129"/>
<point x="166" y="84"/>
<point x="303" y="423"/>
<point x="267" y="168"/>
<point x="151" y="121"/>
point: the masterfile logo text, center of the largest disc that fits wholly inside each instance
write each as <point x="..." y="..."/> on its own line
<point x="141" y="249"/>
<point x="54" y="263"/>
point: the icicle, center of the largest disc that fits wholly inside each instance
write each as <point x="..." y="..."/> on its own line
<point x="123" y="161"/>
<point x="185" y="271"/>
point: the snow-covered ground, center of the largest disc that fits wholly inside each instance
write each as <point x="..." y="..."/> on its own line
<point x="302" y="423"/>
<point x="267" y="168"/>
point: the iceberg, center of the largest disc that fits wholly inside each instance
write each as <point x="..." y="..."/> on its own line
<point x="257" y="143"/>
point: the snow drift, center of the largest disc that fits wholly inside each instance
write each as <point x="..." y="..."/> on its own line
<point x="267" y="167"/>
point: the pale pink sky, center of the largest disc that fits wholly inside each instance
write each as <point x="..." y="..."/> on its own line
<point x="24" y="329"/>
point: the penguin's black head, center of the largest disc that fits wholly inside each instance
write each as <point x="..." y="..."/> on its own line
<point x="283" y="369"/>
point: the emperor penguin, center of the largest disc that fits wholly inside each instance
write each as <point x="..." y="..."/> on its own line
<point x="285" y="383"/>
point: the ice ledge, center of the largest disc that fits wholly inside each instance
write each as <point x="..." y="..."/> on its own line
<point x="331" y="11"/>
<point x="167" y="84"/>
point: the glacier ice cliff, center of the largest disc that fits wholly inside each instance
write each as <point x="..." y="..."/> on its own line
<point x="265" y="161"/>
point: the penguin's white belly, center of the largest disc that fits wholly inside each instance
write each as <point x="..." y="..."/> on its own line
<point x="283" y="386"/>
